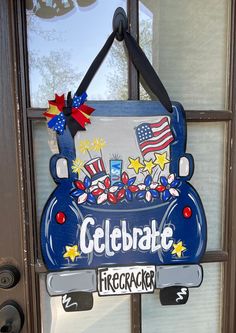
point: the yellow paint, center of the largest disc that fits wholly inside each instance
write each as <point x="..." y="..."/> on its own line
<point x="84" y="146"/>
<point x="178" y="249"/>
<point x="135" y="164"/>
<point x="98" y="144"/>
<point x="161" y="160"/>
<point x="71" y="252"/>
<point x="84" y="114"/>
<point x="53" y="109"/>
<point x="149" y="165"/>
<point x="77" y="165"/>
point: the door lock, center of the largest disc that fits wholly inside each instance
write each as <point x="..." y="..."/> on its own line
<point x="11" y="317"/>
<point x="9" y="276"/>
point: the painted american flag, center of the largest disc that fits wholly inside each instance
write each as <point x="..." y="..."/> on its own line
<point x="154" y="137"/>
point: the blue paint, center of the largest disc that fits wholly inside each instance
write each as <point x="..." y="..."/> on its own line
<point x="137" y="213"/>
<point x="115" y="170"/>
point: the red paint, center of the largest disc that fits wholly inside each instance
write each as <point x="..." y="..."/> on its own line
<point x="160" y="188"/>
<point x="187" y="212"/>
<point x="107" y="182"/>
<point x="124" y="178"/>
<point x="121" y="194"/>
<point x="133" y="188"/>
<point x="79" y="185"/>
<point x="97" y="191"/>
<point x="61" y="218"/>
<point x="112" y="198"/>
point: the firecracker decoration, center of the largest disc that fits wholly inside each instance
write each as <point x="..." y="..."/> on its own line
<point x="115" y="169"/>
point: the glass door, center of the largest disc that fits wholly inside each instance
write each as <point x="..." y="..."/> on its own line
<point x="190" y="43"/>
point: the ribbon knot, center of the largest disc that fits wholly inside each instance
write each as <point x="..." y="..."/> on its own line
<point x="67" y="110"/>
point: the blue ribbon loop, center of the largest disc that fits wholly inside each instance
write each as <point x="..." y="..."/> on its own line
<point x="58" y="123"/>
<point x="79" y="100"/>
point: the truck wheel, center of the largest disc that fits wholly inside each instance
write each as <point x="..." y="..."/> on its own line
<point x="174" y="295"/>
<point x="77" y="301"/>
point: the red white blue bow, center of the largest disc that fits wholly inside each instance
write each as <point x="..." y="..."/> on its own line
<point x="74" y="114"/>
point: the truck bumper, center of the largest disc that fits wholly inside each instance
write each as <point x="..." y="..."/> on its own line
<point x="64" y="282"/>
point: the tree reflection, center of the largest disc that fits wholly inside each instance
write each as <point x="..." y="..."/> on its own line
<point x="57" y="75"/>
<point x="117" y="78"/>
<point x="50" y="8"/>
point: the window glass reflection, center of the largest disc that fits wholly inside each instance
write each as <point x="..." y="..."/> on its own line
<point x="188" y="43"/>
<point x="202" y="313"/>
<point x="109" y="314"/>
<point x="207" y="143"/>
<point x="63" y="39"/>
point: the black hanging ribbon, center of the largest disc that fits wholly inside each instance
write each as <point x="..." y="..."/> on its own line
<point x="140" y="61"/>
<point x="77" y="123"/>
<point x="73" y="125"/>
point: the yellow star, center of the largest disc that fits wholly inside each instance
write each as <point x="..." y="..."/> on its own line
<point x="71" y="252"/>
<point x="178" y="249"/>
<point x="161" y="160"/>
<point x="135" y="164"/>
<point x="149" y="165"/>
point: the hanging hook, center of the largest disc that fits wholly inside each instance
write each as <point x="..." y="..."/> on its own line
<point x="120" y="23"/>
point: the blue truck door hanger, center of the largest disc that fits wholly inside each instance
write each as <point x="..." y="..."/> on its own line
<point x="123" y="218"/>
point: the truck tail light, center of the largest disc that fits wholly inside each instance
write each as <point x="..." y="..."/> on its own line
<point x="60" y="218"/>
<point x="187" y="212"/>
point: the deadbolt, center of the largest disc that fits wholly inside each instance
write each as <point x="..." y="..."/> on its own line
<point x="9" y="276"/>
<point x="11" y="317"/>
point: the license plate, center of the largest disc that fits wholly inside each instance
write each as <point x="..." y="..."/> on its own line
<point x="126" y="280"/>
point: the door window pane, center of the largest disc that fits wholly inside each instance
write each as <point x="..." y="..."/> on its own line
<point x="201" y="314"/>
<point x="207" y="143"/>
<point x="62" y="47"/>
<point x="187" y="41"/>
<point x="44" y="144"/>
<point x="109" y="314"/>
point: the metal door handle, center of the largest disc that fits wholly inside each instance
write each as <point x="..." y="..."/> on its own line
<point x="11" y="317"/>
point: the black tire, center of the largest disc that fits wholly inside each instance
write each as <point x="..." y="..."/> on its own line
<point x="174" y="295"/>
<point x="77" y="301"/>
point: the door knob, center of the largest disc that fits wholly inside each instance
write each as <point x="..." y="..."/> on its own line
<point x="11" y="317"/>
<point x="9" y="276"/>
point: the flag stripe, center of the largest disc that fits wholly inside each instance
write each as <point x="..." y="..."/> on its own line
<point x="156" y="133"/>
<point x="160" y="128"/>
<point x="159" y="123"/>
<point x="155" y="143"/>
<point x="164" y="145"/>
<point x="149" y="150"/>
<point x="156" y="139"/>
<point x="159" y="143"/>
